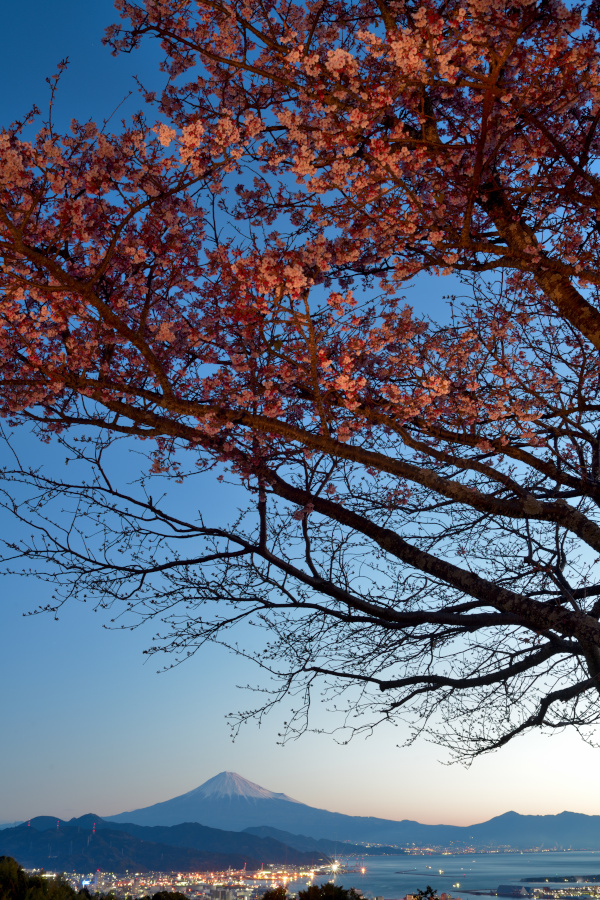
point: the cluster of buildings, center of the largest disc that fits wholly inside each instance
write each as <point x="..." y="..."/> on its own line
<point x="570" y="889"/>
<point x="228" y="885"/>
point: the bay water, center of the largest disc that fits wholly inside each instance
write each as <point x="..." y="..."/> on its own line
<point x="455" y="874"/>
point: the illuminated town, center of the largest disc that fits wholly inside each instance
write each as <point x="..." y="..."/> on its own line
<point x="243" y="885"/>
<point x="229" y="885"/>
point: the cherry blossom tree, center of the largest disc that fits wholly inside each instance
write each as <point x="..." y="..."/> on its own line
<point x="225" y="279"/>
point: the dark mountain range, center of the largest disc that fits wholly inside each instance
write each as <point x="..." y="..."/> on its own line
<point x="89" y="843"/>
<point x="230" y="802"/>
<point x="69" y="848"/>
<point x="264" y="848"/>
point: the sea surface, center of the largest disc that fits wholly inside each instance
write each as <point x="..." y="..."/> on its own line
<point x="395" y="876"/>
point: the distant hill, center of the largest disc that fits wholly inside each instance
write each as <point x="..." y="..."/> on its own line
<point x="90" y="843"/>
<point x="264" y="848"/>
<point x="329" y="848"/>
<point x="566" y="830"/>
<point x="230" y="802"/>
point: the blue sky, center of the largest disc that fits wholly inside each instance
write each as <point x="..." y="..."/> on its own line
<point x="88" y="725"/>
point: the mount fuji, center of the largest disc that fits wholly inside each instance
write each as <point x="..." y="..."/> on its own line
<point x="225" y="801"/>
<point x="233" y="803"/>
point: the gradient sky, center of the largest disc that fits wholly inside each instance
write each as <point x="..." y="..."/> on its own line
<point x="88" y="725"/>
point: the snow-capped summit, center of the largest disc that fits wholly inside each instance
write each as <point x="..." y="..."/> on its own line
<point x="230" y="784"/>
<point x="226" y="801"/>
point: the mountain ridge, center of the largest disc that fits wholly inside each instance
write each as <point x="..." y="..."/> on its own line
<point x="231" y="802"/>
<point x="92" y="842"/>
